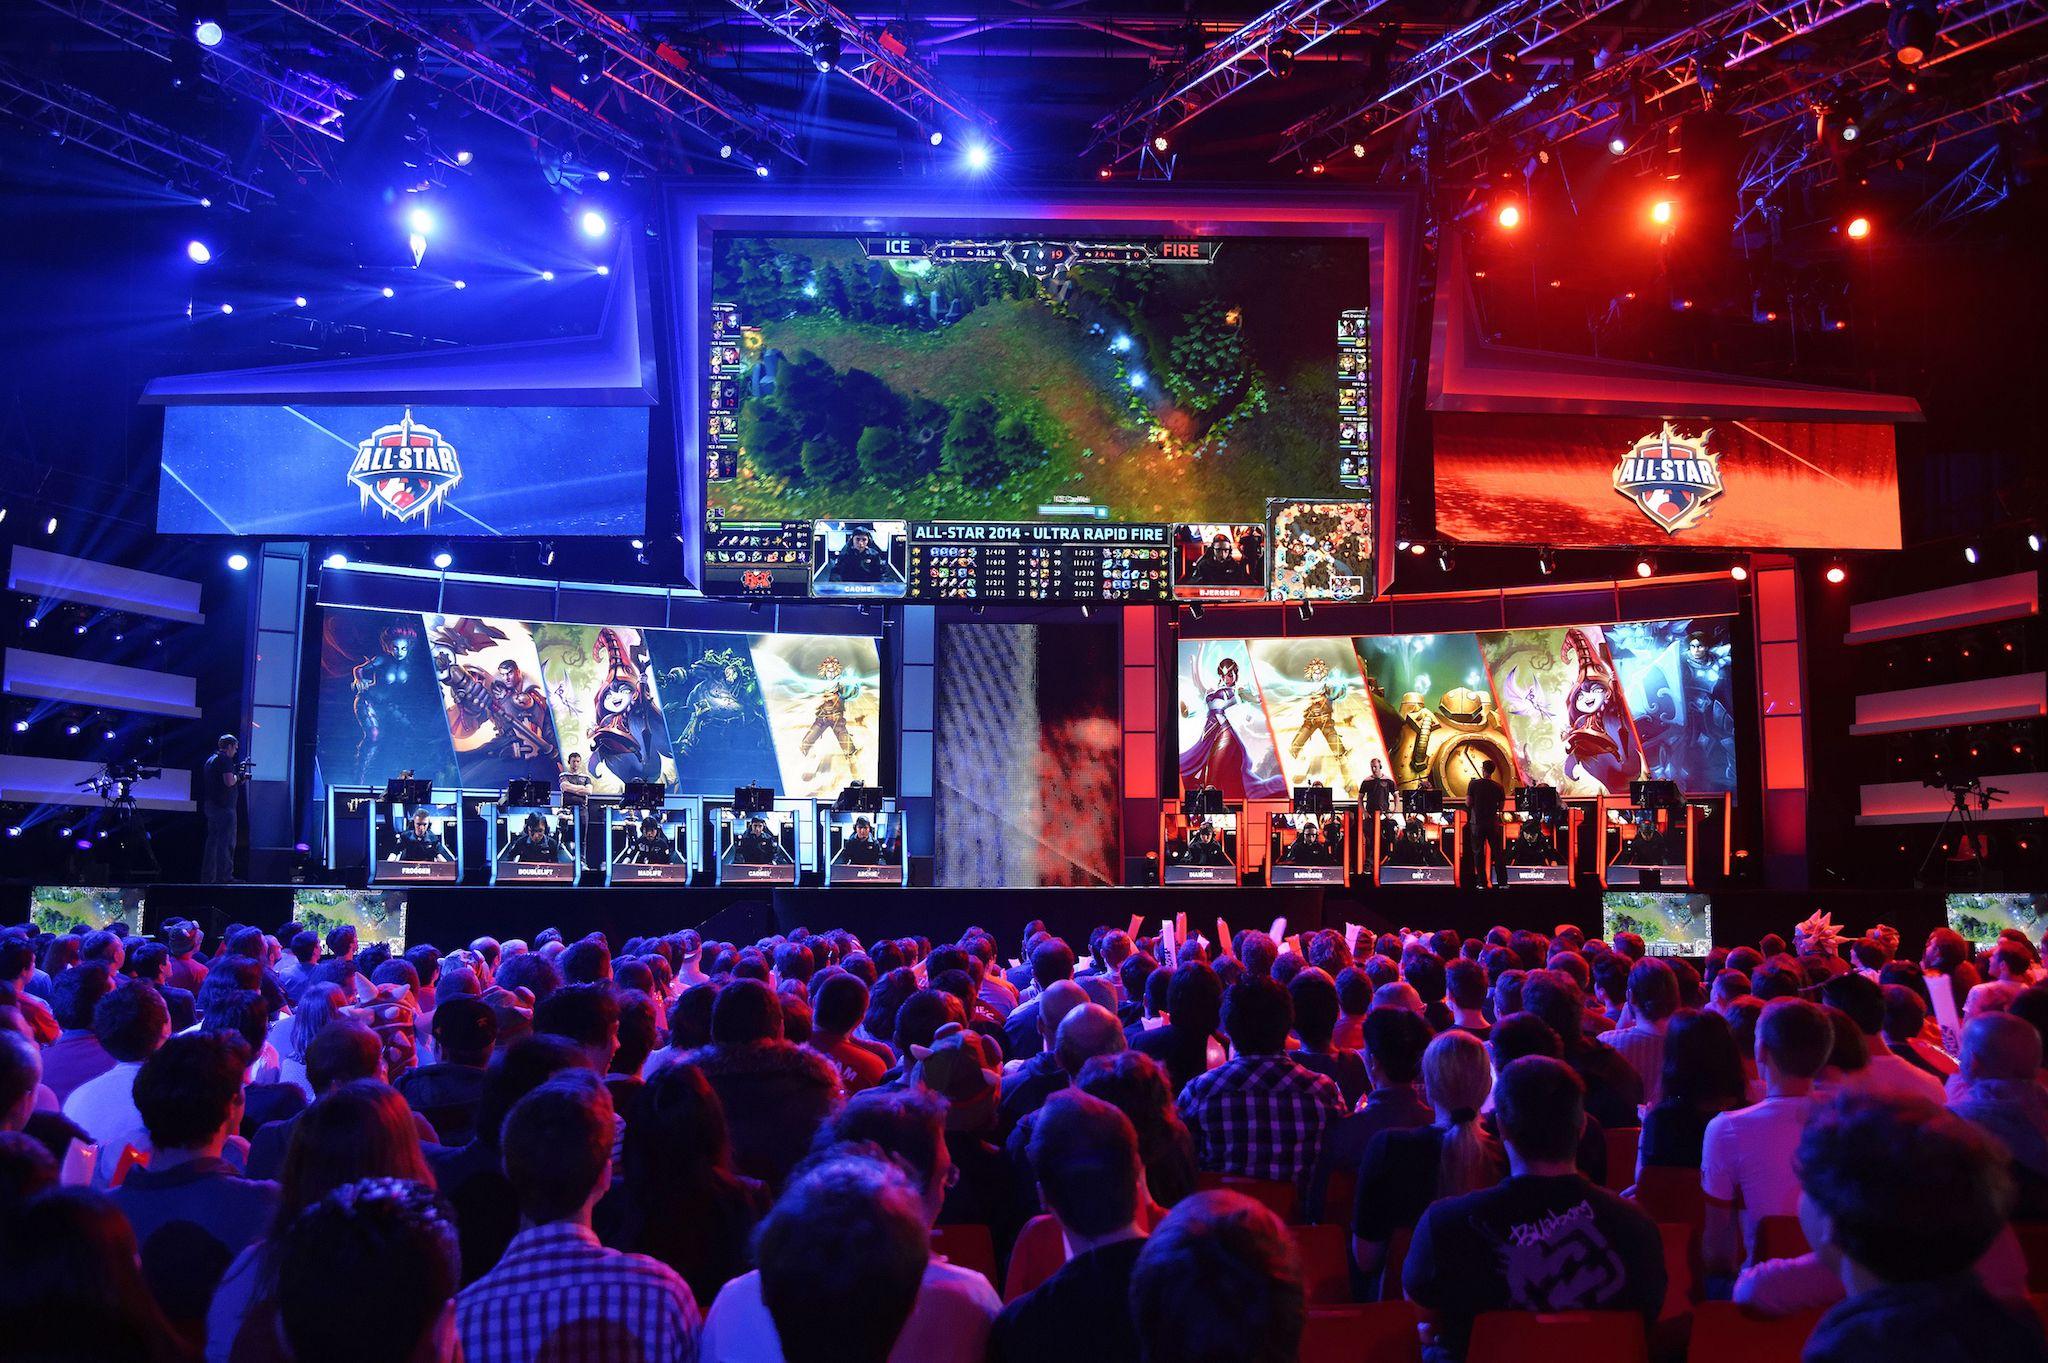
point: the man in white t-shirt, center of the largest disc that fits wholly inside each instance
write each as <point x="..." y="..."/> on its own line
<point x="1886" y="1075"/>
<point x="1746" y="1165"/>
<point x="954" y="1307"/>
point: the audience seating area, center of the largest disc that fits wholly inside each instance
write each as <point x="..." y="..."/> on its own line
<point x="293" y="1147"/>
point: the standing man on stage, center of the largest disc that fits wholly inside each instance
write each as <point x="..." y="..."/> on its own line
<point x="218" y="802"/>
<point x="1484" y="801"/>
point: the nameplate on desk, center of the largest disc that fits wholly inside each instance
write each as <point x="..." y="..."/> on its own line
<point x="1201" y="875"/>
<point x="1417" y="875"/>
<point x="553" y="872"/>
<point x="1666" y="877"/>
<point x="1537" y="875"/>
<point x="1306" y="875"/>
<point x="783" y="874"/>
<point x="650" y="875"/>
<point x="867" y="875"/>
<point x="416" y="870"/>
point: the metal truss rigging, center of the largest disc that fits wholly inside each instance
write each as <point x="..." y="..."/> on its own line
<point x="304" y="111"/>
<point x="878" y="61"/>
<point x="1226" y="66"/>
<point x="187" y="165"/>
<point x="661" y="77"/>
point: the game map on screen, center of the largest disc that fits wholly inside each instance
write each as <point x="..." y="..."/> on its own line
<point x="1669" y="924"/>
<point x="1032" y="418"/>
<point x="1981" y="917"/>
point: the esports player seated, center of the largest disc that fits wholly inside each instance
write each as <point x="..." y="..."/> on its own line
<point x="1218" y="565"/>
<point x="534" y="843"/>
<point x="1308" y="847"/>
<point x="860" y="847"/>
<point x="418" y="841"/>
<point x="860" y="559"/>
<point x="649" y="846"/>
<point x="756" y="846"/>
<point x="1204" y="848"/>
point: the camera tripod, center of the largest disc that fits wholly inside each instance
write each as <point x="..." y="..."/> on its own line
<point x="1973" y="843"/>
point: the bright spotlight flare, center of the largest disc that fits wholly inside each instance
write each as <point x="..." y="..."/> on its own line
<point x="1509" y="216"/>
<point x="198" y="252"/>
<point x="593" y="223"/>
<point x="1662" y="212"/>
<point x="979" y="157"/>
<point x="1859" y="228"/>
<point x="207" y="32"/>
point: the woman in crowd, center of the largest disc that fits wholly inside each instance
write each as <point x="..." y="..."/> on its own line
<point x="1703" y="1078"/>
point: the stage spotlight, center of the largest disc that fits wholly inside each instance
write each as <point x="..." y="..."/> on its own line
<point x="2033" y="538"/>
<point x="299" y="300"/>
<point x="464" y="157"/>
<point x="1740" y="572"/>
<point x="1837" y="574"/>
<point x="761" y="170"/>
<point x="1617" y="145"/>
<point x="198" y="252"/>
<point x="978" y="156"/>
<point x="1969" y="553"/>
<point x="1103" y="172"/>
<point x="603" y="271"/>
<point x="639" y="544"/>
<point x="1504" y="61"/>
<point x="420" y="220"/>
<point x="207" y="33"/>
<point x="443" y="559"/>
<point x="937" y="136"/>
<point x="21" y="726"/>
<point x="1851" y="127"/>
<point x="547" y="553"/>
<point x="1418" y="548"/>
<point x="604" y="177"/>
<point x="1662" y="212"/>
<point x="461" y="283"/>
<point x="71" y="730"/>
<point x="725" y="151"/>
<point x="547" y="276"/>
<point x="388" y="291"/>
<point x="1546" y="561"/>
<point x="50" y="526"/>
<point x="1644" y="567"/>
<point x="1858" y="228"/>
<point x="826" y="47"/>
<point x="1910" y="29"/>
<point x="1159" y="143"/>
<point x="1281" y="56"/>
<point x="1509" y="216"/>
<point x="238" y="561"/>
<point x="593" y="224"/>
<point x="1445" y="559"/>
<point x="14" y="830"/>
<point x="337" y="559"/>
<point x="107" y="734"/>
<point x="1137" y="378"/>
<point x="227" y="309"/>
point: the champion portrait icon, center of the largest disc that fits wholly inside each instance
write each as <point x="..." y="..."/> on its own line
<point x="406" y="469"/>
<point x="1673" y="478"/>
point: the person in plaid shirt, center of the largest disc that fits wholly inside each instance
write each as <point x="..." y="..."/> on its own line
<point x="557" y="1294"/>
<point x="1260" y="1115"/>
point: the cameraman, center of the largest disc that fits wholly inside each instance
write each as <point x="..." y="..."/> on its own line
<point x="218" y="801"/>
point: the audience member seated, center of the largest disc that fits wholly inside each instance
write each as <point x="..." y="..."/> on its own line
<point x="1084" y="1154"/>
<point x="1746" y="1157"/>
<point x="1028" y="1082"/>
<point x="1186" y="1045"/>
<point x="1614" y="1091"/>
<point x="961" y="1067"/>
<point x="1314" y="995"/>
<point x="447" y="1092"/>
<point x="192" y="1211"/>
<point x="838" y="1003"/>
<point x="775" y="1094"/>
<point x="1905" y="1028"/>
<point x="1902" y="1199"/>
<point x="1547" y="1239"/>
<point x="557" y="1293"/>
<point x="1217" y="1280"/>
<point x="1862" y="1001"/>
<point x="1652" y="999"/>
<point x="1136" y="1085"/>
<point x="71" y="1286"/>
<point x="1703" y="1078"/>
<point x="1023" y="1035"/>
<point x="1466" y="991"/>
<point x="77" y="1054"/>
<point x="1404" y="1170"/>
<point x="131" y="1023"/>
<point x="1998" y="1092"/>
<point x="1260" y="1115"/>
<point x="344" y="1052"/>
<point x="383" y="1241"/>
<point x="1394" y="1040"/>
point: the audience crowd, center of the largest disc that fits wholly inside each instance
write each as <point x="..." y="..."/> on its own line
<point x="294" y="1148"/>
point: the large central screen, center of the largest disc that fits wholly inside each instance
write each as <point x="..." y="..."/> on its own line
<point x="1035" y="412"/>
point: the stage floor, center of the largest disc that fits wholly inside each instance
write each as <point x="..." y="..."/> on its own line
<point x="454" y="915"/>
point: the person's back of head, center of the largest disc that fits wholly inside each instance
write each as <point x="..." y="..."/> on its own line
<point x="838" y="1003"/>
<point x="75" y="991"/>
<point x="1132" y="973"/>
<point x="639" y="1031"/>
<point x="344" y="1051"/>
<point x="466" y="1030"/>
<point x="1256" y="951"/>
<point x="1729" y="985"/>
<point x="1218" y="1282"/>
<point x="906" y="1124"/>
<point x="1554" y="997"/>
<point x="1051" y="960"/>
<point x="1257" y="1016"/>
<point x="517" y="1070"/>
<point x="148" y="961"/>
<point x="1457" y="1076"/>
<point x="361" y="1129"/>
<point x="21" y="1071"/>
<point x="397" y="971"/>
<point x="842" y="1255"/>
<point x="1465" y="984"/>
<point x="586" y="962"/>
<point x="1702" y="1064"/>
<point x="1314" y="996"/>
<point x="924" y="1012"/>
<point x="341" y="940"/>
<point x="1398" y="994"/>
<point x="1653" y="989"/>
<point x="1084" y="1154"/>
<point x="1354" y="991"/>
<point x="1905" y="1190"/>
<point x="1194" y="998"/>
<point x="382" y="1242"/>
<point x="1905" y="1014"/>
<point x="305" y="946"/>
<point x="240" y="1011"/>
<point x="1779" y="977"/>
<point x="745" y="1011"/>
<point x="1084" y="1033"/>
<point x="1610" y="978"/>
<point x="587" y="1014"/>
<point x="131" y="1021"/>
<point x="1541" y="1105"/>
<point x="1859" y="998"/>
<point x="102" y="945"/>
<point x="190" y="1090"/>
<point x="2000" y="1046"/>
<point x="1572" y="965"/>
<point x="1424" y="972"/>
<point x="556" y="1145"/>
<point x="1522" y="1034"/>
<point x="1795" y="1037"/>
<point x="1395" y="1039"/>
<point x="1381" y="971"/>
<point x="531" y="971"/>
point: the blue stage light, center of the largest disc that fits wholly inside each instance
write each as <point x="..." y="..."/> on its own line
<point x="593" y="224"/>
<point x="239" y="562"/>
<point x="979" y="157"/>
<point x="198" y="252"/>
<point x="443" y="559"/>
<point x="420" y="220"/>
<point x="208" y="33"/>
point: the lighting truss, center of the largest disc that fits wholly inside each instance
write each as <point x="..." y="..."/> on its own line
<point x="662" y="77"/>
<point x="1740" y="32"/>
<point x="1222" y="69"/>
<point x="879" y="62"/>
<point x="494" y="89"/>
<point x="305" y="111"/>
<point x="1985" y="183"/>
<point x="190" y="167"/>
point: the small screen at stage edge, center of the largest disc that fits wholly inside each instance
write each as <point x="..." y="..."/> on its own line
<point x="376" y="915"/>
<point x="1669" y="924"/>
<point x="1981" y="917"/>
<point x="398" y="469"/>
<point x="56" y="909"/>
<point x="1035" y="415"/>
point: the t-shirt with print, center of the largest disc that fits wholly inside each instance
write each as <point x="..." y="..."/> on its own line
<point x="1532" y="1244"/>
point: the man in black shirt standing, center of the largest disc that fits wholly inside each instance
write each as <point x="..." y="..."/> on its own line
<point x="1484" y="801"/>
<point x="1548" y="1239"/>
<point x="218" y="801"/>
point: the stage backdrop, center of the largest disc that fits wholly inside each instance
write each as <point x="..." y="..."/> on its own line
<point x="1586" y="709"/>
<point x="476" y="702"/>
<point x="1027" y="754"/>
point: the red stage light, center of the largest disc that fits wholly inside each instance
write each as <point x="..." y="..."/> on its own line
<point x="1662" y="212"/>
<point x="1859" y="228"/>
<point x="1643" y="568"/>
<point x="1739" y="573"/>
<point x="1509" y="216"/>
<point x="1837" y="574"/>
